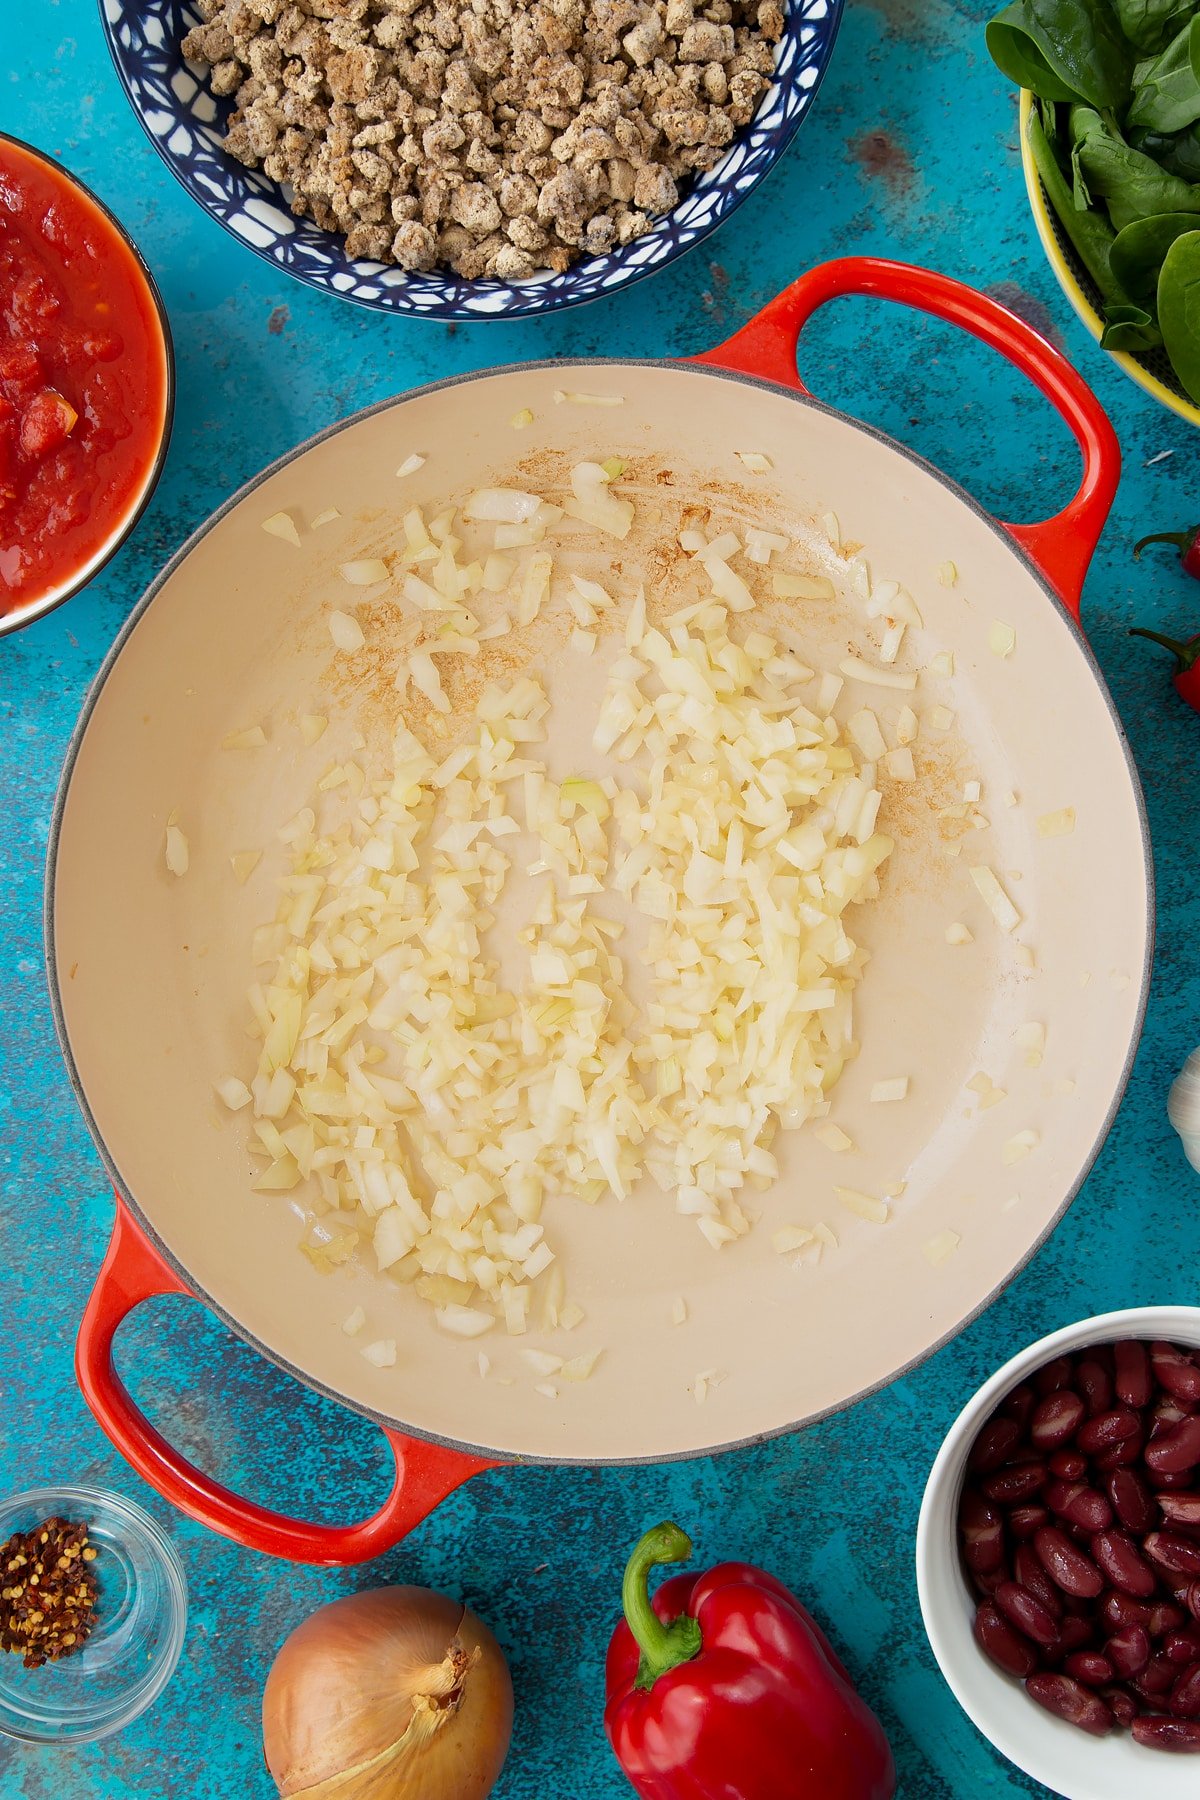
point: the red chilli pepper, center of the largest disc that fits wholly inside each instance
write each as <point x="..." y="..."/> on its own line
<point x="1186" y="651"/>
<point x="725" y="1688"/>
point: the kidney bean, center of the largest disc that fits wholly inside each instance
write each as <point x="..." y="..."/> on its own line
<point x="1177" y="1449"/>
<point x="1095" y="1383"/>
<point x="1006" y="1647"/>
<point x="1119" y="1610"/>
<point x="1166" y="1481"/>
<point x="1107" y="1429"/>
<point x="1189" y="1597"/>
<point x="1166" y="1414"/>
<point x="1054" y="1375"/>
<point x="1019" y="1481"/>
<point x="1123" y="1563"/>
<point x="1163" y="1617"/>
<point x="1156" y="1680"/>
<point x="1056" y="1419"/>
<point x="995" y="1445"/>
<point x="1023" y="1521"/>
<point x="1131" y="1373"/>
<point x="1074" y="1633"/>
<point x="1180" y="1509"/>
<point x="1068" y="1700"/>
<point x="1171" y="1551"/>
<point x="1029" y="1572"/>
<point x="1019" y="1404"/>
<point x="1067" y="1465"/>
<point x="1067" y="1566"/>
<point x="981" y="1532"/>
<point x="1131" y="1500"/>
<point x="1175" y="1372"/>
<point x="1121" y="1456"/>
<point x="987" y="1584"/>
<point x="1090" y="1667"/>
<point x="1079" y="1505"/>
<point x="1124" y="1706"/>
<point x="1026" y="1612"/>
<point x="1181" y="1648"/>
<point x="1184" y="1699"/>
<point x="1158" y="1733"/>
<point x="1128" y="1650"/>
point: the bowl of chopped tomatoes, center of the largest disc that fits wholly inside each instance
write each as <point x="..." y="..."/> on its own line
<point x="87" y="384"/>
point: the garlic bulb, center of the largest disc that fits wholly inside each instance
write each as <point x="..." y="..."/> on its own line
<point x="1183" y="1107"/>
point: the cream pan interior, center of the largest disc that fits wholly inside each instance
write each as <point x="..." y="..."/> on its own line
<point x="151" y="972"/>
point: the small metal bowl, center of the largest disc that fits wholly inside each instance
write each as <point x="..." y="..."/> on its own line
<point x="1151" y="369"/>
<point x="1064" y="1759"/>
<point x="140" y="1619"/>
<point x="28" y="610"/>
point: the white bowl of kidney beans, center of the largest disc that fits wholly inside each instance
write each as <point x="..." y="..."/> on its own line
<point x="1058" y="1557"/>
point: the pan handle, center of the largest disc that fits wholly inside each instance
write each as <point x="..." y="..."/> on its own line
<point x="1061" y="547"/>
<point x="133" y="1271"/>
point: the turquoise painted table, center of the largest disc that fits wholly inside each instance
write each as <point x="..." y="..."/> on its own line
<point x="911" y="151"/>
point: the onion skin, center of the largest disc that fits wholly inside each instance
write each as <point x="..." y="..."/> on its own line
<point x="393" y="1694"/>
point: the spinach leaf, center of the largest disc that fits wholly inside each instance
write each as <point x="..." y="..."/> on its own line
<point x="1088" y="233"/>
<point x="1179" y="154"/>
<point x="1133" y="184"/>
<point x="1167" y="91"/>
<point x="1179" y="309"/>
<point x="1148" y="23"/>
<point x="1138" y="251"/>
<point x="1063" y="50"/>
<point x="1129" y="327"/>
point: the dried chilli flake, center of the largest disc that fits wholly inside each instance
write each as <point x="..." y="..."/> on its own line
<point x="47" y="1592"/>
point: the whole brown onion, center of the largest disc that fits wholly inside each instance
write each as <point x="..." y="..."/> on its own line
<point x="393" y="1694"/>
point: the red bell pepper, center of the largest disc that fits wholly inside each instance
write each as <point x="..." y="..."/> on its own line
<point x="725" y="1688"/>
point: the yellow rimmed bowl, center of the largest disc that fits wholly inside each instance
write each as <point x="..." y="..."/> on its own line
<point x="1150" y="369"/>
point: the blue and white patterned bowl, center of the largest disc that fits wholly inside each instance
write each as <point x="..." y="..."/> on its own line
<point x="185" y="124"/>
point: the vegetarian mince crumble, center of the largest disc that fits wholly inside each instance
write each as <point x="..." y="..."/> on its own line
<point x="498" y="137"/>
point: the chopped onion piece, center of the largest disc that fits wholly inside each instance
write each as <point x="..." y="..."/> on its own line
<point x="801" y="587"/>
<point x="790" y="1238"/>
<point x="906" y="726"/>
<point x="857" y="670"/>
<point x="679" y="1311"/>
<point x="1001" y="907"/>
<point x="1002" y="639"/>
<point x="942" y="663"/>
<point x="251" y="739"/>
<point x="947" y="574"/>
<point x="1024" y="955"/>
<point x="1018" y="1146"/>
<point x="546" y="1389"/>
<point x="484" y="1364"/>
<point x="941" y="718"/>
<point x="833" y="1137"/>
<point x="894" y="1088"/>
<point x="832" y="529"/>
<point x="354" y="1321"/>
<point x="1032" y="1039"/>
<point x="282" y="525"/>
<point x="464" y="1321"/>
<point x="562" y="395"/>
<point x="521" y="419"/>
<point x="382" y="1353"/>
<point x="176" y="851"/>
<point x="410" y="465"/>
<point x="755" y="461"/>
<point x="233" y="1092"/>
<point x="368" y="571"/>
<point x="580" y="1368"/>
<point x="346" y="631"/>
<point x="326" y="518"/>
<point x="244" y="863"/>
<point x="971" y="792"/>
<point x="958" y="934"/>
<point x="941" y="1248"/>
<point x="867" y="1206"/>
<point x="863" y="728"/>
<point x="312" y="726"/>
<point x="899" y="765"/>
<point x="571" y="1315"/>
<point x="543" y="1362"/>
<point x="1057" y="824"/>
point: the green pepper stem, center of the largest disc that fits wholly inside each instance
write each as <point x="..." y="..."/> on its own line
<point x="663" y="1647"/>
<point x="1182" y="541"/>
<point x="1185" y="654"/>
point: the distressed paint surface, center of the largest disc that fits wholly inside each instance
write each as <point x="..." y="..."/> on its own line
<point x="911" y="151"/>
